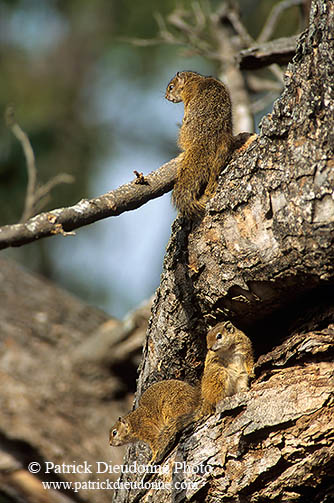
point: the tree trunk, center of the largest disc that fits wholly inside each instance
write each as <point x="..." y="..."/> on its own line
<point x="65" y="369"/>
<point x="262" y="257"/>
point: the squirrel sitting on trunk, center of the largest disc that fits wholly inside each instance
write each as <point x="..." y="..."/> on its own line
<point x="205" y="137"/>
<point x="168" y="406"/>
<point x="228" y="366"/>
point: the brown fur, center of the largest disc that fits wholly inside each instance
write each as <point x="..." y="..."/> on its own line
<point x="228" y="366"/>
<point x="158" y="416"/>
<point x="205" y="137"/>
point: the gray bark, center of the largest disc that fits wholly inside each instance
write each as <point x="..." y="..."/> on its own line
<point x="63" y="221"/>
<point x="66" y="373"/>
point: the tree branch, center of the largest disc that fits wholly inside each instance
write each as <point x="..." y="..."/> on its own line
<point x="64" y="220"/>
<point x="278" y="51"/>
<point x="271" y="23"/>
<point x="226" y="25"/>
<point x="36" y="198"/>
<point x="30" y="160"/>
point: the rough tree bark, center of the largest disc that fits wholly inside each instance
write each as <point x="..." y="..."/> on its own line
<point x="263" y="257"/>
<point x="65" y="370"/>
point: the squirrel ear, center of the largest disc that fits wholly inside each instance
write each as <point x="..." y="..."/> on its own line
<point x="181" y="76"/>
<point x="229" y="327"/>
<point x="124" y="421"/>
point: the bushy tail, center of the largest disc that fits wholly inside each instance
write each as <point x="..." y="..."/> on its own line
<point x="197" y="176"/>
<point x="185" y="199"/>
<point x="223" y="156"/>
<point x="192" y="178"/>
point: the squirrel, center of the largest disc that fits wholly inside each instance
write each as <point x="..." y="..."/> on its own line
<point x="158" y="416"/>
<point x="228" y="366"/>
<point x="206" y="139"/>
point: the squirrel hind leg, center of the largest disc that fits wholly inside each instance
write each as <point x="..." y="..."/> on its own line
<point x="210" y="189"/>
<point x="187" y="204"/>
<point x="242" y="383"/>
<point x="155" y="455"/>
<point x="222" y="157"/>
<point x="169" y="435"/>
<point x="204" y="410"/>
<point x="162" y="446"/>
<point x="191" y="181"/>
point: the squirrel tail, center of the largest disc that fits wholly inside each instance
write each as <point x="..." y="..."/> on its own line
<point x="191" y="180"/>
<point x="185" y="201"/>
<point x="197" y="176"/>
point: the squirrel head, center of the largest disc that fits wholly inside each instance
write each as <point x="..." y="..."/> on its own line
<point x="120" y="433"/>
<point x="226" y="336"/>
<point x="175" y="88"/>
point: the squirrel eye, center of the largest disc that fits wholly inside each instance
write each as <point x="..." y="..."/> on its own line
<point x="114" y="433"/>
<point x="171" y="87"/>
<point x="218" y="336"/>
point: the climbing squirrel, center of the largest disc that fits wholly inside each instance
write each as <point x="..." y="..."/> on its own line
<point x="158" y="416"/>
<point x="168" y="406"/>
<point x="205" y="137"/>
<point x="228" y="366"/>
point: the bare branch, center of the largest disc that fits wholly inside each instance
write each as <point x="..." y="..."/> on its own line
<point x="272" y="19"/>
<point x="35" y="198"/>
<point x="48" y="186"/>
<point x="165" y="34"/>
<point x="176" y="19"/>
<point x="30" y="160"/>
<point x="258" y="85"/>
<point x="240" y="29"/>
<point x="141" y="42"/>
<point x="64" y="220"/>
<point x="199" y="15"/>
<point x="229" y="47"/>
<point x="279" y="51"/>
<point x="125" y="198"/>
<point x="42" y="194"/>
<point x="263" y="102"/>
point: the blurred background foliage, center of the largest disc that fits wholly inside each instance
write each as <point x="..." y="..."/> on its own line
<point x="92" y="104"/>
